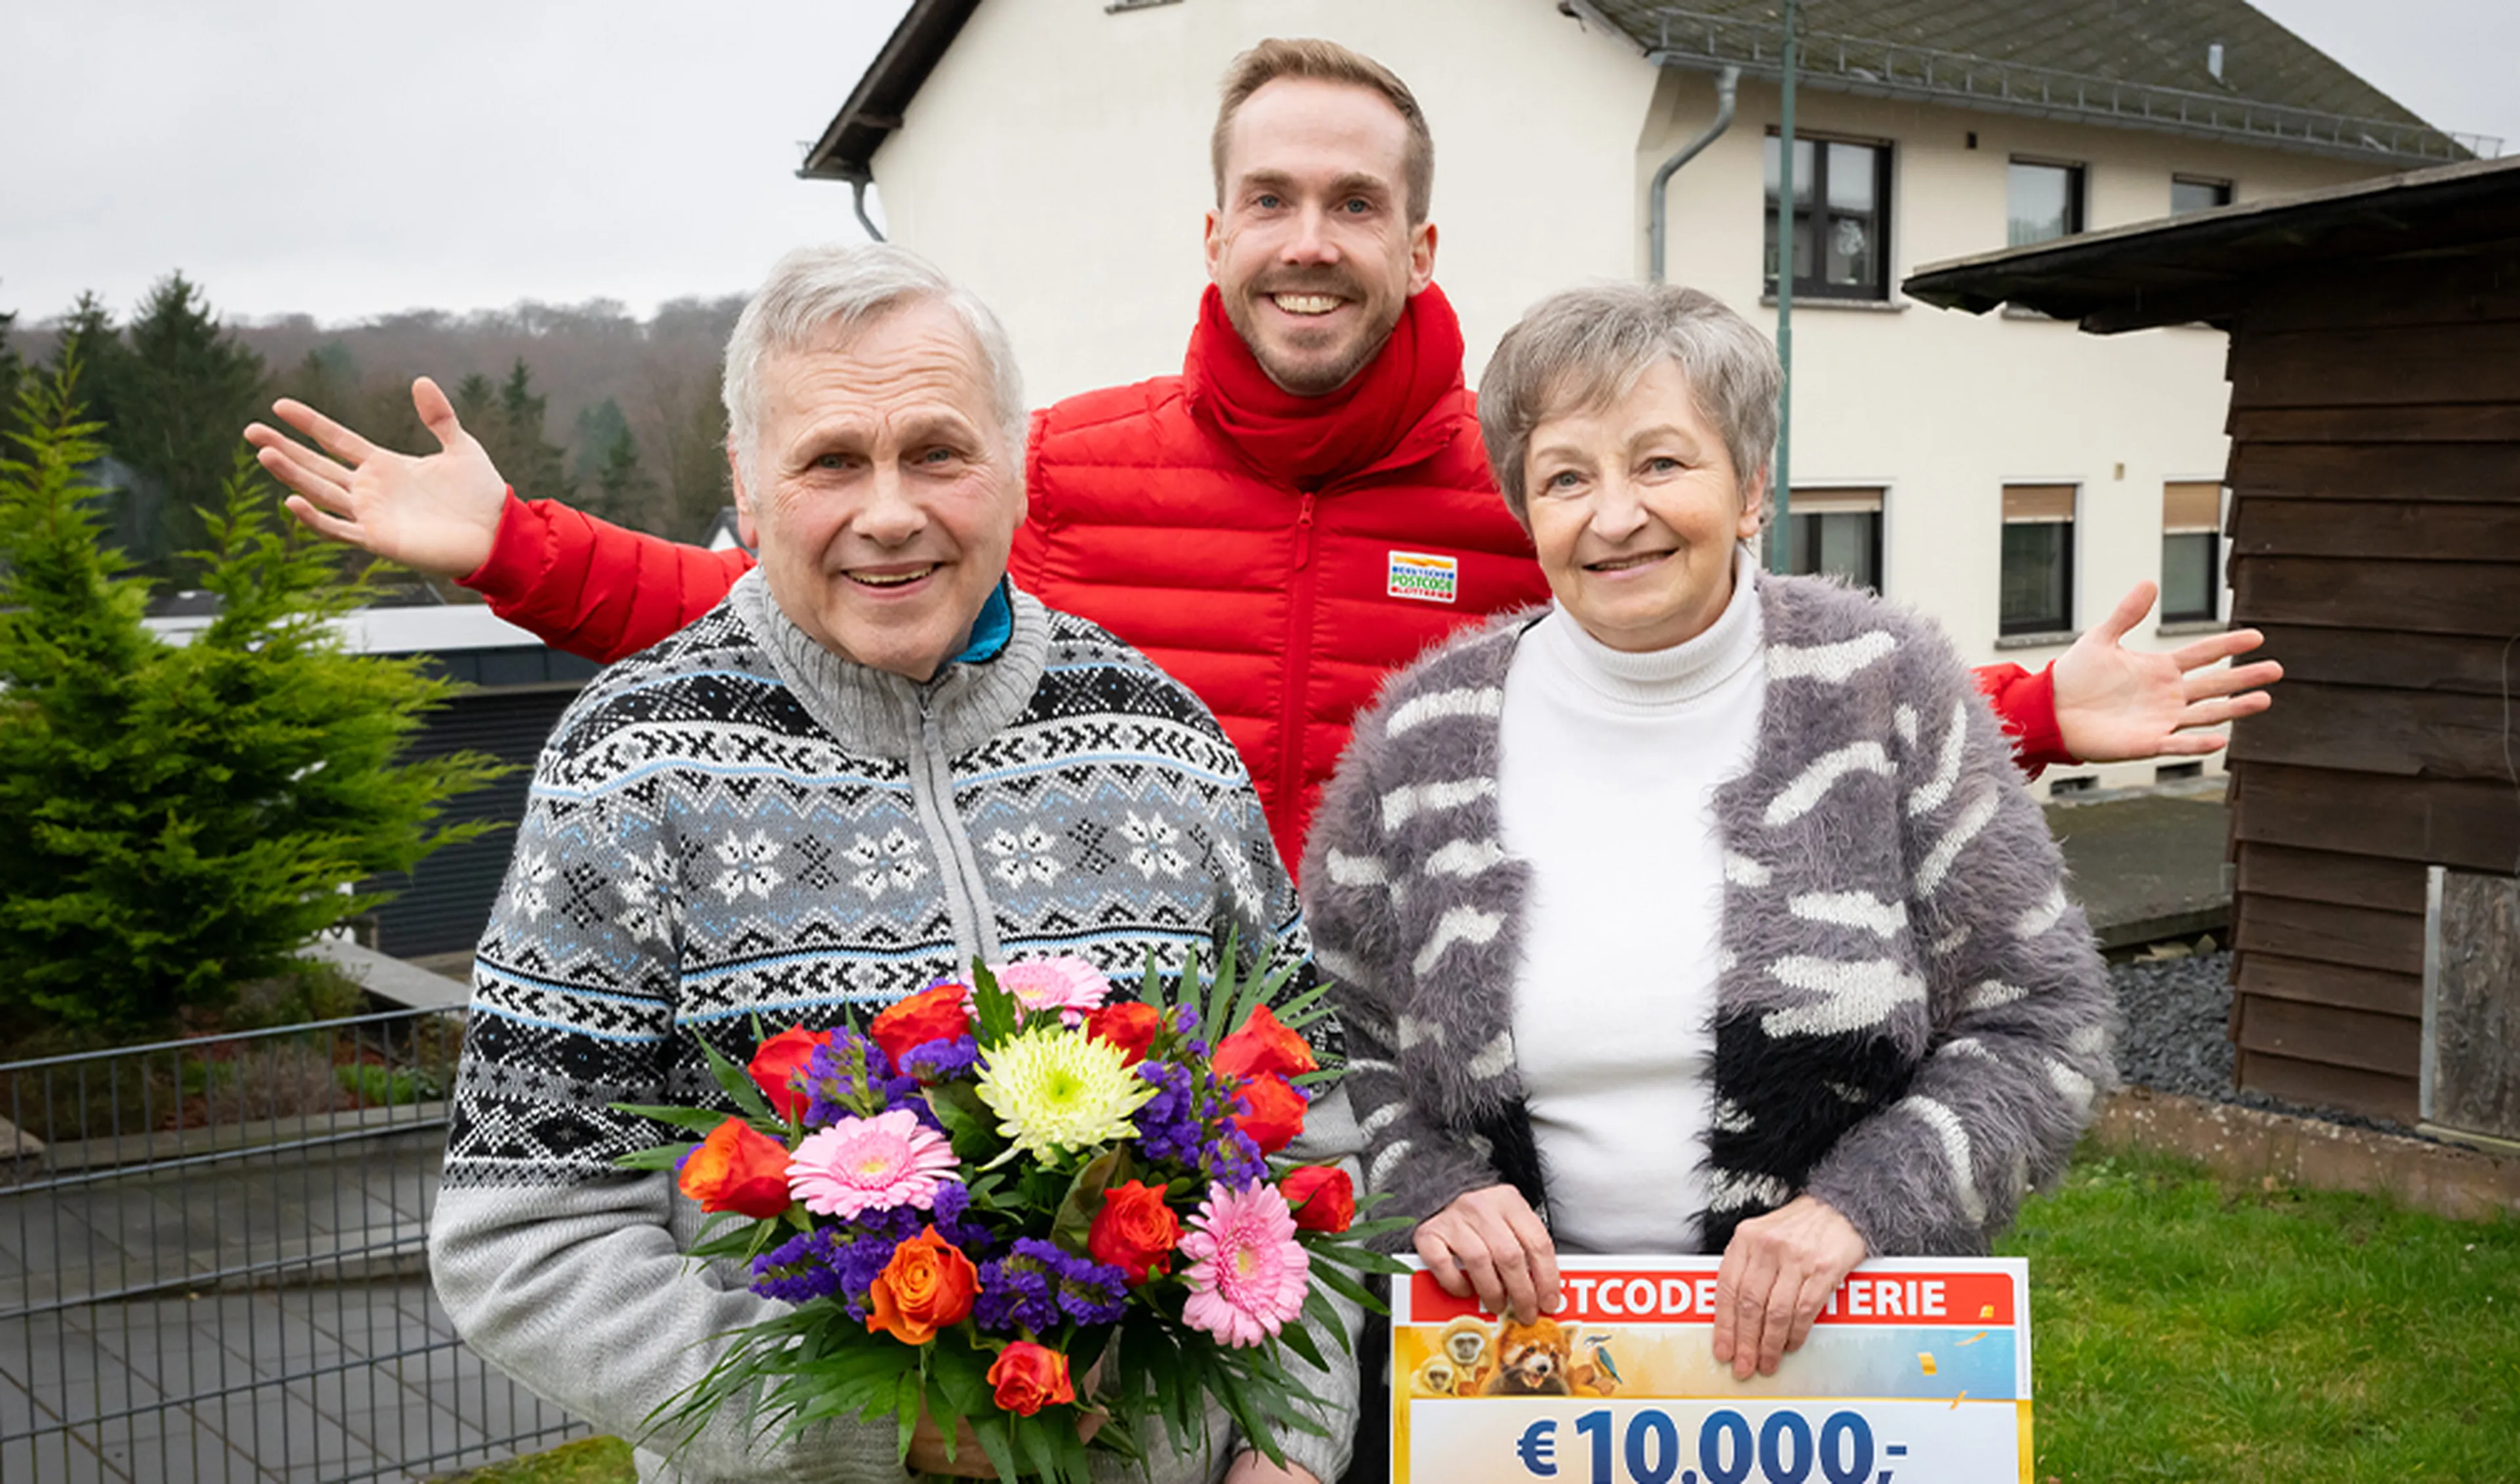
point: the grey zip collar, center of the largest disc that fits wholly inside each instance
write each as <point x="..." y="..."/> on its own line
<point x="876" y="713"/>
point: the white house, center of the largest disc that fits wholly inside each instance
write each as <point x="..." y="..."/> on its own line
<point x="2007" y="476"/>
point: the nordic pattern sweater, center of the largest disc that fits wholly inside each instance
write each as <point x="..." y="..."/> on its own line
<point x="738" y="824"/>
<point x="1910" y="1023"/>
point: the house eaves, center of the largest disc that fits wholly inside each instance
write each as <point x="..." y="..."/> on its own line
<point x="2206" y="69"/>
<point x="876" y="105"/>
<point x="2199" y="267"/>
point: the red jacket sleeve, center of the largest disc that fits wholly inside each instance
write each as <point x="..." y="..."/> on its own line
<point x="592" y="588"/>
<point x="2026" y="705"/>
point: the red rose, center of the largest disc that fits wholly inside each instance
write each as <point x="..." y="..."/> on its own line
<point x="1322" y="1196"/>
<point x="929" y="1286"/>
<point x="1130" y="1025"/>
<point x="1135" y="1231"/>
<point x="1264" y="1046"/>
<point x="779" y="1063"/>
<point x="1030" y="1377"/>
<point x="1275" y="1116"/>
<point x="934" y="1013"/>
<point x="738" y="1168"/>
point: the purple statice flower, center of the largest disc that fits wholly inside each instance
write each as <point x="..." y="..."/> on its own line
<point x="941" y="1060"/>
<point x="850" y="1075"/>
<point x="798" y="1270"/>
<point x="1017" y="1296"/>
<point x="1091" y="1292"/>
<point x="1036" y="1286"/>
<point x="947" y="1213"/>
<point x="1190" y="1122"/>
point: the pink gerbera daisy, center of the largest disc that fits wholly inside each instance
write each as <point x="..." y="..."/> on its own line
<point x="1248" y="1273"/>
<point x="868" y="1164"/>
<point x="1066" y="984"/>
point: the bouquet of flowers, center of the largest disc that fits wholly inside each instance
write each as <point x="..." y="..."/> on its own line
<point x="1014" y="1203"/>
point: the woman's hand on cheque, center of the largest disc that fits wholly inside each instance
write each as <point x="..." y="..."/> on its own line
<point x="1778" y="1270"/>
<point x="1491" y="1242"/>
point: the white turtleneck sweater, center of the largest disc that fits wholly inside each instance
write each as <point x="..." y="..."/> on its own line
<point x="1606" y="785"/>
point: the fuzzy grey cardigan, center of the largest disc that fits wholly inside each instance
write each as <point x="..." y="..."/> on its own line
<point x="1911" y="1022"/>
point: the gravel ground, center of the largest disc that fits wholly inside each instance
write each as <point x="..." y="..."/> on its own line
<point x="2173" y="1036"/>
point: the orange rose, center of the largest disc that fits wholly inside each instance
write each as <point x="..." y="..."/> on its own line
<point x="1130" y="1025"/>
<point x="1135" y="1231"/>
<point x="738" y="1168"/>
<point x="779" y="1063"/>
<point x="1275" y="1116"/>
<point x="1322" y="1196"/>
<point x="1264" y="1046"/>
<point x="1030" y="1377"/>
<point x="927" y="1285"/>
<point x="934" y="1013"/>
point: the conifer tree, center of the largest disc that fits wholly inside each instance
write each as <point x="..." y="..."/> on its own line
<point x="181" y="391"/>
<point x="608" y="466"/>
<point x="175" y="820"/>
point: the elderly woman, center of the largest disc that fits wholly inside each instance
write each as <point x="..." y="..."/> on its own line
<point x="1701" y="911"/>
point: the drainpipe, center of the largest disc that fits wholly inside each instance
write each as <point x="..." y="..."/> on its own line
<point x="857" y="200"/>
<point x="1780" y="482"/>
<point x="1727" y="86"/>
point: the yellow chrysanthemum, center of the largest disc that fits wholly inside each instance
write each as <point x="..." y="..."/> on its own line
<point x="1056" y="1089"/>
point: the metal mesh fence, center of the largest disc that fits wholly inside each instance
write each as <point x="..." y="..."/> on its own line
<point x="213" y="1264"/>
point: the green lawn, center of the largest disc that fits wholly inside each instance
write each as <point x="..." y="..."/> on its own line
<point x="2187" y="1330"/>
<point x="2192" y="1331"/>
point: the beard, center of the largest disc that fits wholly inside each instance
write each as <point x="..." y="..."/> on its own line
<point x="1315" y="372"/>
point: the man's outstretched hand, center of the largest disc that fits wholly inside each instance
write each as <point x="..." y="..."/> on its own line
<point x="437" y="514"/>
<point x="2116" y="704"/>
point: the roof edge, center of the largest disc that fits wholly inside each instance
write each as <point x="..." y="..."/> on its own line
<point x="884" y="92"/>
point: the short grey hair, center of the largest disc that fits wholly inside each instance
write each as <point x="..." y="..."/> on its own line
<point x="815" y="295"/>
<point x="1587" y="347"/>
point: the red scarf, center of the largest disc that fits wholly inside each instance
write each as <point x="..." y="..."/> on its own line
<point x="1375" y="422"/>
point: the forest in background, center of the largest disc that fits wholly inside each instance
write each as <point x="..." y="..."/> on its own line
<point x="582" y="402"/>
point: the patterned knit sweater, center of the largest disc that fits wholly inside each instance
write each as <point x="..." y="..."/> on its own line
<point x="738" y="824"/>
<point x="1911" y="1022"/>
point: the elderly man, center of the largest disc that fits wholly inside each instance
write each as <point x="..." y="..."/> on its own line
<point x="1303" y="509"/>
<point x="876" y="759"/>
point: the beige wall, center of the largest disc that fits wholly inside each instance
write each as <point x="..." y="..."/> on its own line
<point x="1056" y="162"/>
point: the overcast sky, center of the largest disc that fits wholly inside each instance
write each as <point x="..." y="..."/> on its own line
<point x="346" y="159"/>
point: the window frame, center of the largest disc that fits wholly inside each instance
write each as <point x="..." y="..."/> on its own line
<point x="1847" y="498"/>
<point x="2059" y="621"/>
<point x="2078" y="192"/>
<point x="2212" y="534"/>
<point x="1810" y="270"/>
<point x="2224" y="187"/>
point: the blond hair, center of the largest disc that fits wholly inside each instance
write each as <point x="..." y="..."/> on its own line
<point x="1327" y="62"/>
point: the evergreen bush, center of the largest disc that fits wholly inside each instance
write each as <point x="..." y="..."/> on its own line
<point x="178" y="820"/>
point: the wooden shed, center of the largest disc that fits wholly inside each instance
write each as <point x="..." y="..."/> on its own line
<point x="2374" y="534"/>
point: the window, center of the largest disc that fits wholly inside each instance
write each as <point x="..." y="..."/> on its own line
<point x="1842" y="247"/>
<point x="2038" y="558"/>
<point x="1837" y="531"/>
<point x="2194" y="192"/>
<point x="2043" y="201"/>
<point x="2191" y="552"/>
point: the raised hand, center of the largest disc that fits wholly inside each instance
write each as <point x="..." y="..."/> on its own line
<point x="436" y="513"/>
<point x="2116" y="704"/>
<point x="1778" y="1270"/>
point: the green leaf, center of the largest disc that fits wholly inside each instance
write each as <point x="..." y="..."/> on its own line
<point x="739" y="1085"/>
<point x="699" y="1120"/>
<point x="969" y="1123"/>
<point x="996" y="1013"/>
<point x="1318" y="1309"/>
<point x="1296" y="1338"/>
<point x="1084" y="1199"/>
<point x="663" y="1156"/>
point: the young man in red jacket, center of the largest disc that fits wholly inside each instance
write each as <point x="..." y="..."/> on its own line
<point x="1303" y="509"/>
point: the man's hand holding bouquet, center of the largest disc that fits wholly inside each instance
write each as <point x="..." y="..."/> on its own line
<point x="1019" y="1217"/>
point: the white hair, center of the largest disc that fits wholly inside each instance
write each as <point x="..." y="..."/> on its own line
<point x="817" y="294"/>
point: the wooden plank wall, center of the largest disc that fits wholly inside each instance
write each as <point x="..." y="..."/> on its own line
<point x="2375" y="537"/>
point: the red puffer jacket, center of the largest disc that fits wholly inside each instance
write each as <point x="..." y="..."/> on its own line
<point x="1277" y="555"/>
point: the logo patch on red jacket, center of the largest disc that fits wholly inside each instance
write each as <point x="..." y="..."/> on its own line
<point x="1424" y="577"/>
